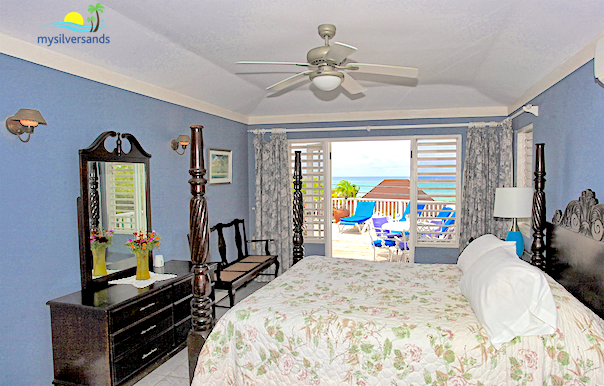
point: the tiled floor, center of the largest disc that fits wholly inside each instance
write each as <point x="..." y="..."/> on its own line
<point x="175" y="372"/>
<point x="355" y="245"/>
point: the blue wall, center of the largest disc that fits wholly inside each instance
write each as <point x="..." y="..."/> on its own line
<point x="39" y="183"/>
<point x="422" y="254"/>
<point x="571" y="124"/>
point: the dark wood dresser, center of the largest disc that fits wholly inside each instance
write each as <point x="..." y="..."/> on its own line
<point x="117" y="335"/>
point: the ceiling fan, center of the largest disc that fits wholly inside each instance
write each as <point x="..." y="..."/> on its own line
<point x="326" y="65"/>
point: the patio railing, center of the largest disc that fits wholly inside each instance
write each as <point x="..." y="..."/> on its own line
<point x="391" y="208"/>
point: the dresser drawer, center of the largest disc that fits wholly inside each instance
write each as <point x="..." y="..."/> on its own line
<point x="182" y="289"/>
<point x="136" y="311"/>
<point x="182" y="309"/>
<point x="181" y="331"/>
<point x="147" y="353"/>
<point x="141" y="332"/>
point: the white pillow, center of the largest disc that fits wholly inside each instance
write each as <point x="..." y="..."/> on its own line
<point x="509" y="297"/>
<point x="479" y="247"/>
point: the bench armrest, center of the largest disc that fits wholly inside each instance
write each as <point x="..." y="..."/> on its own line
<point x="265" y="244"/>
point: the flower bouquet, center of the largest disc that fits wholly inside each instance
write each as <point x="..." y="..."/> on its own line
<point x="99" y="241"/>
<point x="141" y="244"/>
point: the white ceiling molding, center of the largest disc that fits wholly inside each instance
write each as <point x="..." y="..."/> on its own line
<point x="382" y="115"/>
<point x="44" y="57"/>
<point x="573" y="63"/>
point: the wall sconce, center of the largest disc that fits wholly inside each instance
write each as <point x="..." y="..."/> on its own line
<point x="25" y="121"/>
<point x="182" y="140"/>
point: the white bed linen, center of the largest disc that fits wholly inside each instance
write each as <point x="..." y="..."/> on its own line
<point x="348" y="322"/>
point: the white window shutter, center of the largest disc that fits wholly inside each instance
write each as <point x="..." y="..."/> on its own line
<point x="438" y="161"/>
<point x="125" y="186"/>
<point x="524" y="168"/>
<point x="524" y="158"/>
<point x="313" y="187"/>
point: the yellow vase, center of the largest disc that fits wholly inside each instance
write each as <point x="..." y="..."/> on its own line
<point x="142" y="265"/>
<point x="98" y="262"/>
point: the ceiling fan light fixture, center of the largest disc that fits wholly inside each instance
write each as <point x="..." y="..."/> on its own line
<point x="329" y="61"/>
<point x="327" y="81"/>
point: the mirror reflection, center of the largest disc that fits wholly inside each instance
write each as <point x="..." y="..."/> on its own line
<point x="117" y="209"/>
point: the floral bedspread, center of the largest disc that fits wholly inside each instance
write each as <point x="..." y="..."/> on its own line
<point x="348" y="322"/>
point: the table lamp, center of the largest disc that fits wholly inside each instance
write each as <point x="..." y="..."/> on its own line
<point x="514" y="203"/>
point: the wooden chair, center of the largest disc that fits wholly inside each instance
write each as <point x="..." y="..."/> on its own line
<point x="233" y="275"/>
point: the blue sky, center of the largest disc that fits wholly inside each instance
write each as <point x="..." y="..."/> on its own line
<point x="370" y="158"/>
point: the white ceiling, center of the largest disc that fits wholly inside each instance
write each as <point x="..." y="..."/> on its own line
<point x="471" y="54"/>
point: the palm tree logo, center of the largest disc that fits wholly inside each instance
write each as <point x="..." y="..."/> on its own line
<point x="91" y="19"/>
<point x="95" y="8"/>
<point x="74" y="21"/>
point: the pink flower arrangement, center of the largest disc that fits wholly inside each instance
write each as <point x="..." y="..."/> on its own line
<point x="143" y="242"/>
<point x="100" y="239"/>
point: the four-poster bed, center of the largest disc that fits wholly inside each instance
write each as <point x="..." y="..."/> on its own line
<point x="340" y="321"/>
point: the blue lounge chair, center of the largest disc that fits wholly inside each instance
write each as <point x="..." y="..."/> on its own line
<point x="445" y="219"/>
<point x="447" y="226"/>
<point x="420" y="209"/>
<point x="363" y="212"/>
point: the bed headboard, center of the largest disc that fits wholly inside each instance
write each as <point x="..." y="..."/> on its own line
<point x="575" y="250"/>
<point x="570" y="248"/>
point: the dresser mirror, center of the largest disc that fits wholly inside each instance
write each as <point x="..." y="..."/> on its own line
<point x="115" y="195"/>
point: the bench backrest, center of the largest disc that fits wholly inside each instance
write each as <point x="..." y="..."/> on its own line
<point x="240" y="242"/>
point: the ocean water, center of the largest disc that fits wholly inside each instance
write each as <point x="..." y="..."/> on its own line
<point x="364" y="183"/>
<point x="369" y="182"/>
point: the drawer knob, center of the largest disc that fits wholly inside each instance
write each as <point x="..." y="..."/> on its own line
<point x="147" y="330"/>
<point x="147" y="306"/>
<point x="149" y="353"/>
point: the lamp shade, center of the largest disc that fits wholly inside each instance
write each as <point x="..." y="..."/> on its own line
<point x="183" y="139"/>
<point x="327" y="82"/>
<point x="28" y="117"/>
<point x="513" y="202"/>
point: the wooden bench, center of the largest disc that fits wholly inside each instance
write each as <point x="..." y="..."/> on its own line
<point x="233" y="275"/>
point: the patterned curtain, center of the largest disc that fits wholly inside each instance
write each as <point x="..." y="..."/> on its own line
<point x="274" y="218"/>
<point x="488" y="166"/>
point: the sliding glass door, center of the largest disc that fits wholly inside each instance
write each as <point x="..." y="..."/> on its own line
<point x="422" y="172"/>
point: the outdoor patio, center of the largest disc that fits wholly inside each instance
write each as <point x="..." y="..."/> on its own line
<point x="354" y="245"/>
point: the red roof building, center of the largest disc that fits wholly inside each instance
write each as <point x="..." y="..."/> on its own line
<point x="395" y="189"/>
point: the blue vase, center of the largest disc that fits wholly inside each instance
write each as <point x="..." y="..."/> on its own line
<point x="517" y="237"/>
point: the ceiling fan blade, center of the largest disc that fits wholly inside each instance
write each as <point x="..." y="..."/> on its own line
<point x="383" y="69"/>
<point x="351" y="85"/>
<point x="286" y="82"/>
<point x="288" y="63"/>
<point x="338" y="52"/>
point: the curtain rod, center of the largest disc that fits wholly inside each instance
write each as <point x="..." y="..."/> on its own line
<point x="528" y="108"/>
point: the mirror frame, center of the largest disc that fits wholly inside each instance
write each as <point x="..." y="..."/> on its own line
<point x="97" y="152"/>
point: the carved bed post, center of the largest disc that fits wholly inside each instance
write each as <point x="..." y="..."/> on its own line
<point x="298" y="209"/>
<point x="199" y="242"/>
<point x="538" y="218"/>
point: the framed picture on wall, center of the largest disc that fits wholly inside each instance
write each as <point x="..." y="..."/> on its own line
<point x="221" y="166"/>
